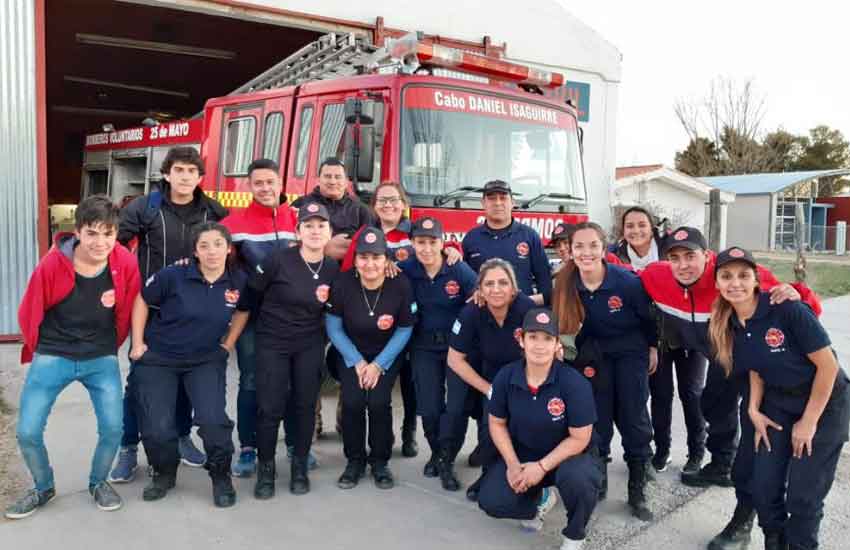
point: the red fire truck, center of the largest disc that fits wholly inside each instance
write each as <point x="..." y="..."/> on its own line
<point x="440" y="121"/>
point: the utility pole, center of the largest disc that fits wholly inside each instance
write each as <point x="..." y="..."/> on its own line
<point x="714" y="220"/>
<point x="800" y="242"/>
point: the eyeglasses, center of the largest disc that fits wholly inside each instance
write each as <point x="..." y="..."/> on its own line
<point x="388" y="201"/>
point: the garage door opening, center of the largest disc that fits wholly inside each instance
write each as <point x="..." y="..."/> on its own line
<point x="115" y="63"/>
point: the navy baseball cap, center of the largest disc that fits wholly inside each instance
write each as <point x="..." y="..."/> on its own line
<point x="561" y="232"/>
<point x="684" y="237"/>
<point x="540" y="319"/>
<point x="427" y="227"/>
<point x="371" y="241"/>
<point x="313" y="210"/>
<point x="496" y="186"/>
<point x="734" y="254"/>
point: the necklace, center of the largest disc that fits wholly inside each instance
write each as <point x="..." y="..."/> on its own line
<point x="371" y="307"/>
<point x="316" y="271"/>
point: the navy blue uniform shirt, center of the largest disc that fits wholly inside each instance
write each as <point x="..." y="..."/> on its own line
<point x="775" y="343"/>
<point x="617" y="313"/>
<point x="540" y="422"/>
<point x="440" y="299"/>
<point x="517" y="244"/>
<point x="188" y="315"/>
<point x="476" y="332"/>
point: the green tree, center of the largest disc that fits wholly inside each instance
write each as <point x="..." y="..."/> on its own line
<point x="824" y="148"/>
<point x="700" y="158"/>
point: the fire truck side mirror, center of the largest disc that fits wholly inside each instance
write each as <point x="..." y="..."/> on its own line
<point x="360" y="153"/>
<point x="356" y="111"/>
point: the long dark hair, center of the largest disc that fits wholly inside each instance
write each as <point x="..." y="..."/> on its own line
<point x="566" y="302"/>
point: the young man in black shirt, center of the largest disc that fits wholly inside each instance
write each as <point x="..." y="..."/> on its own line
<point x="162" y="221"/>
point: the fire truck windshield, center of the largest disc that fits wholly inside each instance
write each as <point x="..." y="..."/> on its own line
<point x="453" y="139"/>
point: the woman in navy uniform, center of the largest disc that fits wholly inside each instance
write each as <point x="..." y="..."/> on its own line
<point x="180" y="343"/>
<point x="541" y="416"/>
<point x="799" y="399"/>
<point x="441" y="291"/>
<point x="610" y="306"/>
<point x="290" y="288"/>
<point x="369" y="322"/>
<point x="491" y="334"/>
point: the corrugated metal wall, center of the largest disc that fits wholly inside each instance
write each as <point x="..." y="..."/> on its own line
<point x="18" y="190"/>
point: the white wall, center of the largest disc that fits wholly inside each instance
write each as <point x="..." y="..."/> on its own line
<point x="672" y="199"/>
<point x="749" y="222"/>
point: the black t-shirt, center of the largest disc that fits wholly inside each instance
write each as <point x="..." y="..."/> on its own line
<point x="184" y="211"/>
<point x="392" y="307"/>
<point x="293" y="300"/>
<point x="82" y="326"/>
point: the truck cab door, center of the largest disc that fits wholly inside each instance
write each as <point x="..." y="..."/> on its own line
<point x="239" y="146"/>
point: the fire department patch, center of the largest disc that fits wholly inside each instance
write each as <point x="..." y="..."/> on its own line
<point x="428" y="224"/>
<point x="108" y="298"/>
<point x="615" y="302"/>
<point x="370" y="238"/>
<point x="556" y="406"/>
<point x="774" y="337"/>
<point x="736" y="253"/>
<point x="313" y="208"/>
<point x="589" y="372"/>
<point x="518" y="334"/>
<point x="542" y="318"/>
<point x="452" y="288"/>
<point x="385" y="322"/>
<point x="401" y="254"/>
<point x="231" y="296"/>
<point x="559" y="230"/>
<point x="680" y="235"/>
<point x="322" y="293"/>
<point x="522" y="248"/>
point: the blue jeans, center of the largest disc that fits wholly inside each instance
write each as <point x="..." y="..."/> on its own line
<point x="48" y="375"/>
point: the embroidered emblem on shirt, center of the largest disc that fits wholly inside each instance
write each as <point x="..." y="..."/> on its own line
<point x="556" y="406"/>
<point x="615" y="303"/>
<point x="774" y="337"/>
<point x="385" y="322"/>
<point x="589" y="372"/>
<point x="322" y="292"/>
<point x="108" y="298"/>
<point x="231" y="296"/>
<point x="452" y="288"/>
<point x="522" y="248"/>
<point x="456" y="327"/>
<point x="402" y="254"/>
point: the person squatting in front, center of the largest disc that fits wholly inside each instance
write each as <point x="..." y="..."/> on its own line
<point x="541" y="416"/>
<point x="369" y="321"/>
<point x="290" y="287"/>
<point x="799" y="400"/>
<point x="490" y="333"/>
<point x="618" y="330"/>
<point x="441" y="291"/>
<point x="74" y="315"/>
<point x="179" y="320"/>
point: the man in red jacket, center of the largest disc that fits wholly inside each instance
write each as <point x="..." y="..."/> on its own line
<point x="74" y="316"/>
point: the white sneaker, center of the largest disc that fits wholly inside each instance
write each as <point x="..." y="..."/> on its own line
<point x="548" y="499"/>
<point x="570" y="544"/>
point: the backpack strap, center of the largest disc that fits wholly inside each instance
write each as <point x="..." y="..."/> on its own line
<point x="151" y="209"/>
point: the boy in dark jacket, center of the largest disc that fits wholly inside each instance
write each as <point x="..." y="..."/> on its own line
<point x="162" y="223"/>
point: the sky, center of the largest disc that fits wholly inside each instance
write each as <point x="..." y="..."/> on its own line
<point x="795" y="53"/>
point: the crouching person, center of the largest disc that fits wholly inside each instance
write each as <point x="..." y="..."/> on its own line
<point x="74" y="315"/>
<point x="541" y="421"/>
<point x="179" y="320"/>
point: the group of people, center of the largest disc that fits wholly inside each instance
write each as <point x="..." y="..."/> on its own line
<point x="546" y="363"/>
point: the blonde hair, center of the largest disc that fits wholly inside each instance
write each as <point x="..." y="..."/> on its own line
<point x="497" y="263"/>
<point x="720" y="333"/>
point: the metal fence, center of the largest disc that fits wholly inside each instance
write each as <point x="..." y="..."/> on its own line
<point x="826" y="239"/>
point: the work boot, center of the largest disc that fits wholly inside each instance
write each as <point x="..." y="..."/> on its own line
<point x="224" y="495"/>
<point x="774" y="540"/>
<point x="473" y="490"/>
<point x="160" y="484"/>
<point x="446" y="466"/>
<point x="603" y="485"/>
<point x="299" y="483"/>
<point x="432" y="468"/>
<point x="661" y="460"/>
<point x="736" y="534"/>
<point x="693" y="465"/>
<point x="382" y="475"/>
<point x="713" y="473"/>
<point x="264" y="488"/>
<point x="409" y="447"/>
<point x="350" y="477"/>
<point x="637" y="486"/>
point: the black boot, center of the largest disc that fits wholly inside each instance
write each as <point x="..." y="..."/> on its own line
<point x="264" y="488"/>
<point x="714" y="473"/>
<point x="472" y="491"/>
<point x="474" y="459"/>
<point x="382" y="475"/>
<point x="736" y="534"/>
<point x="409" y="447"/>
<point x="603" y="486"/>
<point x="299" y="483"/>
<point x="446" y="466"/>
<point x="160" y="484"/>
<point x="224" y="495"/>
<point x="774" y="540"/>
<point x="637" y="486"/>
<point x="432" y="468"/>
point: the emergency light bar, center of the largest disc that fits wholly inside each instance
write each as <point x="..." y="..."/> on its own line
<point x="411" y="52"/>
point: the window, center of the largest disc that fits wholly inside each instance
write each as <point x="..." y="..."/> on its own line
<point x="333" y="128"/>
<point x="303" y="141"/>
<point x="239" y="146"/>
<point x="272" y="136"/>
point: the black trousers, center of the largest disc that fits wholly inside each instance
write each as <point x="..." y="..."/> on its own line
<point x="408" y="393"/>
<point x="719" y="404"/>
<point x="356" y="402"/>
<point x="429" y="377"/>
<point x="577" y="479"/>
<point x="690" y="367"/>
<point x="287" y="386"/>
<point x="156" y="384"/>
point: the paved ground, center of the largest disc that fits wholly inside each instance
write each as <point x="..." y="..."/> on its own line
<point x="416" y="514"/>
